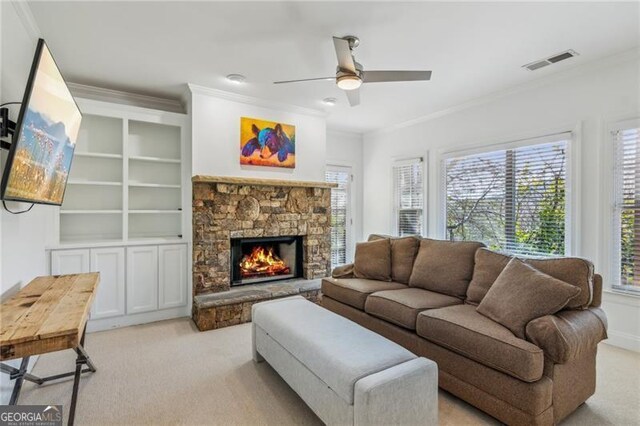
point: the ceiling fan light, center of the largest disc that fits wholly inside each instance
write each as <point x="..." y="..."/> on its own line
<point x="349" y="82"/>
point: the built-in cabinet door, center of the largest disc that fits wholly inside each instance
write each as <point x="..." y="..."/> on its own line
<point x="65" y="262"/>
<point x="110" y="297"/>
<point x="142" y="279"/>
<point x="173" y="276"/>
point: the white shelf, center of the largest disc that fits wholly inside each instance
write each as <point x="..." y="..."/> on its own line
<point x="155" y="159"/>
<point x="127" y="182"/>
<point x="155" y="211"/>
<point x="90" y="211"/>
<point x="82" y="242"/>
<point x="93" y="182"/>
<point x="97" y="155"/>
<point x="153" y="185"/>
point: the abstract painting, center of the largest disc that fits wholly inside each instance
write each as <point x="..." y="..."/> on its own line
<point x="267" y="143"/>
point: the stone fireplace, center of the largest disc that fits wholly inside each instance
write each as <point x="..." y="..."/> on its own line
<point x="228" y="211"/>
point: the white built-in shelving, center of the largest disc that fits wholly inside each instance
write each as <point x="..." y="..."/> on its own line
<point x="127" y="180"/>
<point x="126" y="214"/>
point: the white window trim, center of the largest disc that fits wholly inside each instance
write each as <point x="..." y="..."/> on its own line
<point x="351" y="234"/>
<point x="572" y="185"/>
<point x="610" y="215"/>
<point x="398" y="161"/>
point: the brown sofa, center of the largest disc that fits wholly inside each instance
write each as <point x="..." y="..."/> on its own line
<point x="429" y="307"/>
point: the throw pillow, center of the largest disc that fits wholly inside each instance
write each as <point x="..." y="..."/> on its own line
<point x="444" y="266"/>
<point x="521" y="293"/>
<point x="373" y="260"/>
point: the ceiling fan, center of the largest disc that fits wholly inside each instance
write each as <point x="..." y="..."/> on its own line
<point x="350" y="74"/>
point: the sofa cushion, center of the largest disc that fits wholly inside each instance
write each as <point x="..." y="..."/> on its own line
<point x="354" y="291"/>
<point x="572" y="270"/>
<point x="373" y="260"/>
<point x="463" y="330"/>
<point x="403" y="254"/>
<point x="521" y="293"/>
<point x="488" y="265"/>
<point x="401" y="307"/>
<point x="444" y="266"/>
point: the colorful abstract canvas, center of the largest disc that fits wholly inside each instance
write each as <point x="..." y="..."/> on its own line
<point x="267" y="143"/>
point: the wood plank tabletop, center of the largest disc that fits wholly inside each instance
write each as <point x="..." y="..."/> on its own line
<point x="48" y="314"/>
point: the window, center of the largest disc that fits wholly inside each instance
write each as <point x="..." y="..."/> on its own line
<point x="627" y="206"/>
<point x="340" y="220"/>
<point x="409" y="199"/>
<point x="513" y="200"/>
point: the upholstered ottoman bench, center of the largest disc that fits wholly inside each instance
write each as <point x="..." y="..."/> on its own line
<point x="345" y="373"/>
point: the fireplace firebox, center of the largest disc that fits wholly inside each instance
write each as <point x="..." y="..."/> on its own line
<point x="256" y="260"/>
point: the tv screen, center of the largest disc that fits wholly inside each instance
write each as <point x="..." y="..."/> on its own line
<point x="46" y="130"/>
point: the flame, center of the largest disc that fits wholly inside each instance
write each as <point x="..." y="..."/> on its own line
<point x="262" y="261"/>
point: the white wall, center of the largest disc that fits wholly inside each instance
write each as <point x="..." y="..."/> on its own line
<point x="585" y="99"/>
<point x="345" y="149"/>
<point x="22" y="236"/>
<point x="215" y="133"/>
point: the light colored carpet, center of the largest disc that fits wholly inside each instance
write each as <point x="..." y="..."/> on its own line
<point x="170" y="373"/>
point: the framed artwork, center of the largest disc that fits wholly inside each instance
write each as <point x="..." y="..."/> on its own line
<point x="267" y="143"/>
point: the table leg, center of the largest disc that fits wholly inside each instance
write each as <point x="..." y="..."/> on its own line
<point x="17" y="387"/>
<point x="20" y="375"/>
<point x="81" y="360"/>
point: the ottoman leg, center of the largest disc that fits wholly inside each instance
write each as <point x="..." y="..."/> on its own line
<point x="256" y="356"/>
<point x="404" y="394"/>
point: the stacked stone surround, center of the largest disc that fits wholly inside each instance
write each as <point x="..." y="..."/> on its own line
<point x="227" y="207"/>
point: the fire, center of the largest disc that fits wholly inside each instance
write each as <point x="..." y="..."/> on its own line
<point x="262" y="261"/>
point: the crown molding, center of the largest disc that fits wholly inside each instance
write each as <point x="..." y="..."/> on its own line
<point x="250" y="100"/>
<point x="125" y="98"/>
<point x="609" y="61"/>
<point x="26" y="17"/>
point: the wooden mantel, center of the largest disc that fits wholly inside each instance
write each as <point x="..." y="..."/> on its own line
<point x="261" y="182"/>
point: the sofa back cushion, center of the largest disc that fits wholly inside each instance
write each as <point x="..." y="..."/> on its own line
<point x="403" y="254"/>
<point x="522" y="293"/>
<point x="444" y="266"/>
<point x="373" y="260"/>
<point x="575" y="271"/>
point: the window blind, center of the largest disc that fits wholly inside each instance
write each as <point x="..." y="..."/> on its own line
<point x="339" y="215"/>
<point x="513" y="200"/>
<point x="409" y="196"/>
<point x="627" y="205"/>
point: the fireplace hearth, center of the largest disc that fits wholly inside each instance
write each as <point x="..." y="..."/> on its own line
<point x="263" y="259"/>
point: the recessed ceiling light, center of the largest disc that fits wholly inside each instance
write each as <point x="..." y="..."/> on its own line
<point x="236" y="78"/>
<point x="329" y="101"/>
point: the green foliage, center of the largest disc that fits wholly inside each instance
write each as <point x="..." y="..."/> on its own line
<point x="627" y="242"/>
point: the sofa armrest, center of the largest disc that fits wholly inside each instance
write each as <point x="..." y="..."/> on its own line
<point x="343" y="271"/>
<point x="568" y="334"/>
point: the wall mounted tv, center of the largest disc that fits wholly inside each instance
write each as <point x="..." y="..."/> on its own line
<point x="42" y="148"/>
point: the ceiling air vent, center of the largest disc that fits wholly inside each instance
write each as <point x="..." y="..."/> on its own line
<point x="550" y="60"/>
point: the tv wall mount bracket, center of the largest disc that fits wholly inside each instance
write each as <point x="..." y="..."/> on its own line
<point x="7" y="127"/>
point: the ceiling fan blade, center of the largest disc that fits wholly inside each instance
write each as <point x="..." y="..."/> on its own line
<point x="345" y="58"/>
<point x="353" y="96"/>
<point x="305" y="79"/>
<point x="384" y="76"/>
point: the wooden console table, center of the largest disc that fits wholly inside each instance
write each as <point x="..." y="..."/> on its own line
<point x="49" y="314"/>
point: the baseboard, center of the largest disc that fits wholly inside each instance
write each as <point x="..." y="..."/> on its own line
<point x="137" y="319"/>
<point x="623" y="340"/>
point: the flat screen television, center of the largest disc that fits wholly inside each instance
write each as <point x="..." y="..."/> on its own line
<point x="47" y="127"/>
